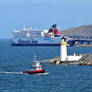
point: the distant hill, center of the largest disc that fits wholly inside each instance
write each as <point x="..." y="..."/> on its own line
<point x="85" y="30"/>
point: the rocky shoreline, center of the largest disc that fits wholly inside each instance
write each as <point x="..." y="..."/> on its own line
<point x="83" y="45"/>
<point x="85" y="60"/>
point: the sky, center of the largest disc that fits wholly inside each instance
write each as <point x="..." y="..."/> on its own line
<point x="41" y="14"/>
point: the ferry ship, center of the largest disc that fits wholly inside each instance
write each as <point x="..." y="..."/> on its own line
<point x="30" y="37"/>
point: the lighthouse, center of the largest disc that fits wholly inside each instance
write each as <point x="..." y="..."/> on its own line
<point x="63" y="49"/>
<point x="63" y="52"/>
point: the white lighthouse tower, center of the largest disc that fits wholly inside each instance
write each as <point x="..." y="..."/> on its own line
<point x="63" y="50"/>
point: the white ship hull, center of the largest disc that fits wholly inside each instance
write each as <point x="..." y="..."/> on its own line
<point x="35" y="41"/>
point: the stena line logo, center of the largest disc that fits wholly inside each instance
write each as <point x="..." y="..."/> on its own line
<point x="31" y="41"/>
<point x="48" y="39"/>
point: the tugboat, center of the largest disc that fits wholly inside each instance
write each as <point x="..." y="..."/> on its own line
<point x="36" y="68"/>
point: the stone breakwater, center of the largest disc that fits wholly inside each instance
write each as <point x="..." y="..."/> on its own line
<point x="85" y="60"/>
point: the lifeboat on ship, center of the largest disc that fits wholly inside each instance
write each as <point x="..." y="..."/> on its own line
<point x="36" y="68"/>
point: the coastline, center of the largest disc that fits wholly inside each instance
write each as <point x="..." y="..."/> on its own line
<point x="85" y="60"/>
<point x="83" y="45"/>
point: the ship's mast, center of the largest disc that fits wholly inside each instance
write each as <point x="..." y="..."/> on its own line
<point x="24" y="27"/>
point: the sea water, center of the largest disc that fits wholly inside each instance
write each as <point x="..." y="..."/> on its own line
<point x="14" y="60"/>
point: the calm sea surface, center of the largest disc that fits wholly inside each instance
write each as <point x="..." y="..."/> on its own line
<point x="58" y="79"/>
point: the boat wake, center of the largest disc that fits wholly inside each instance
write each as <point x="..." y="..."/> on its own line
<point x="21" y="73"/>
<point x="42" y="74"/>
<point x="12" y="73"/>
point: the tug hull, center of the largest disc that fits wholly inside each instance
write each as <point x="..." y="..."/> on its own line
<point x="34" y="72"/>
